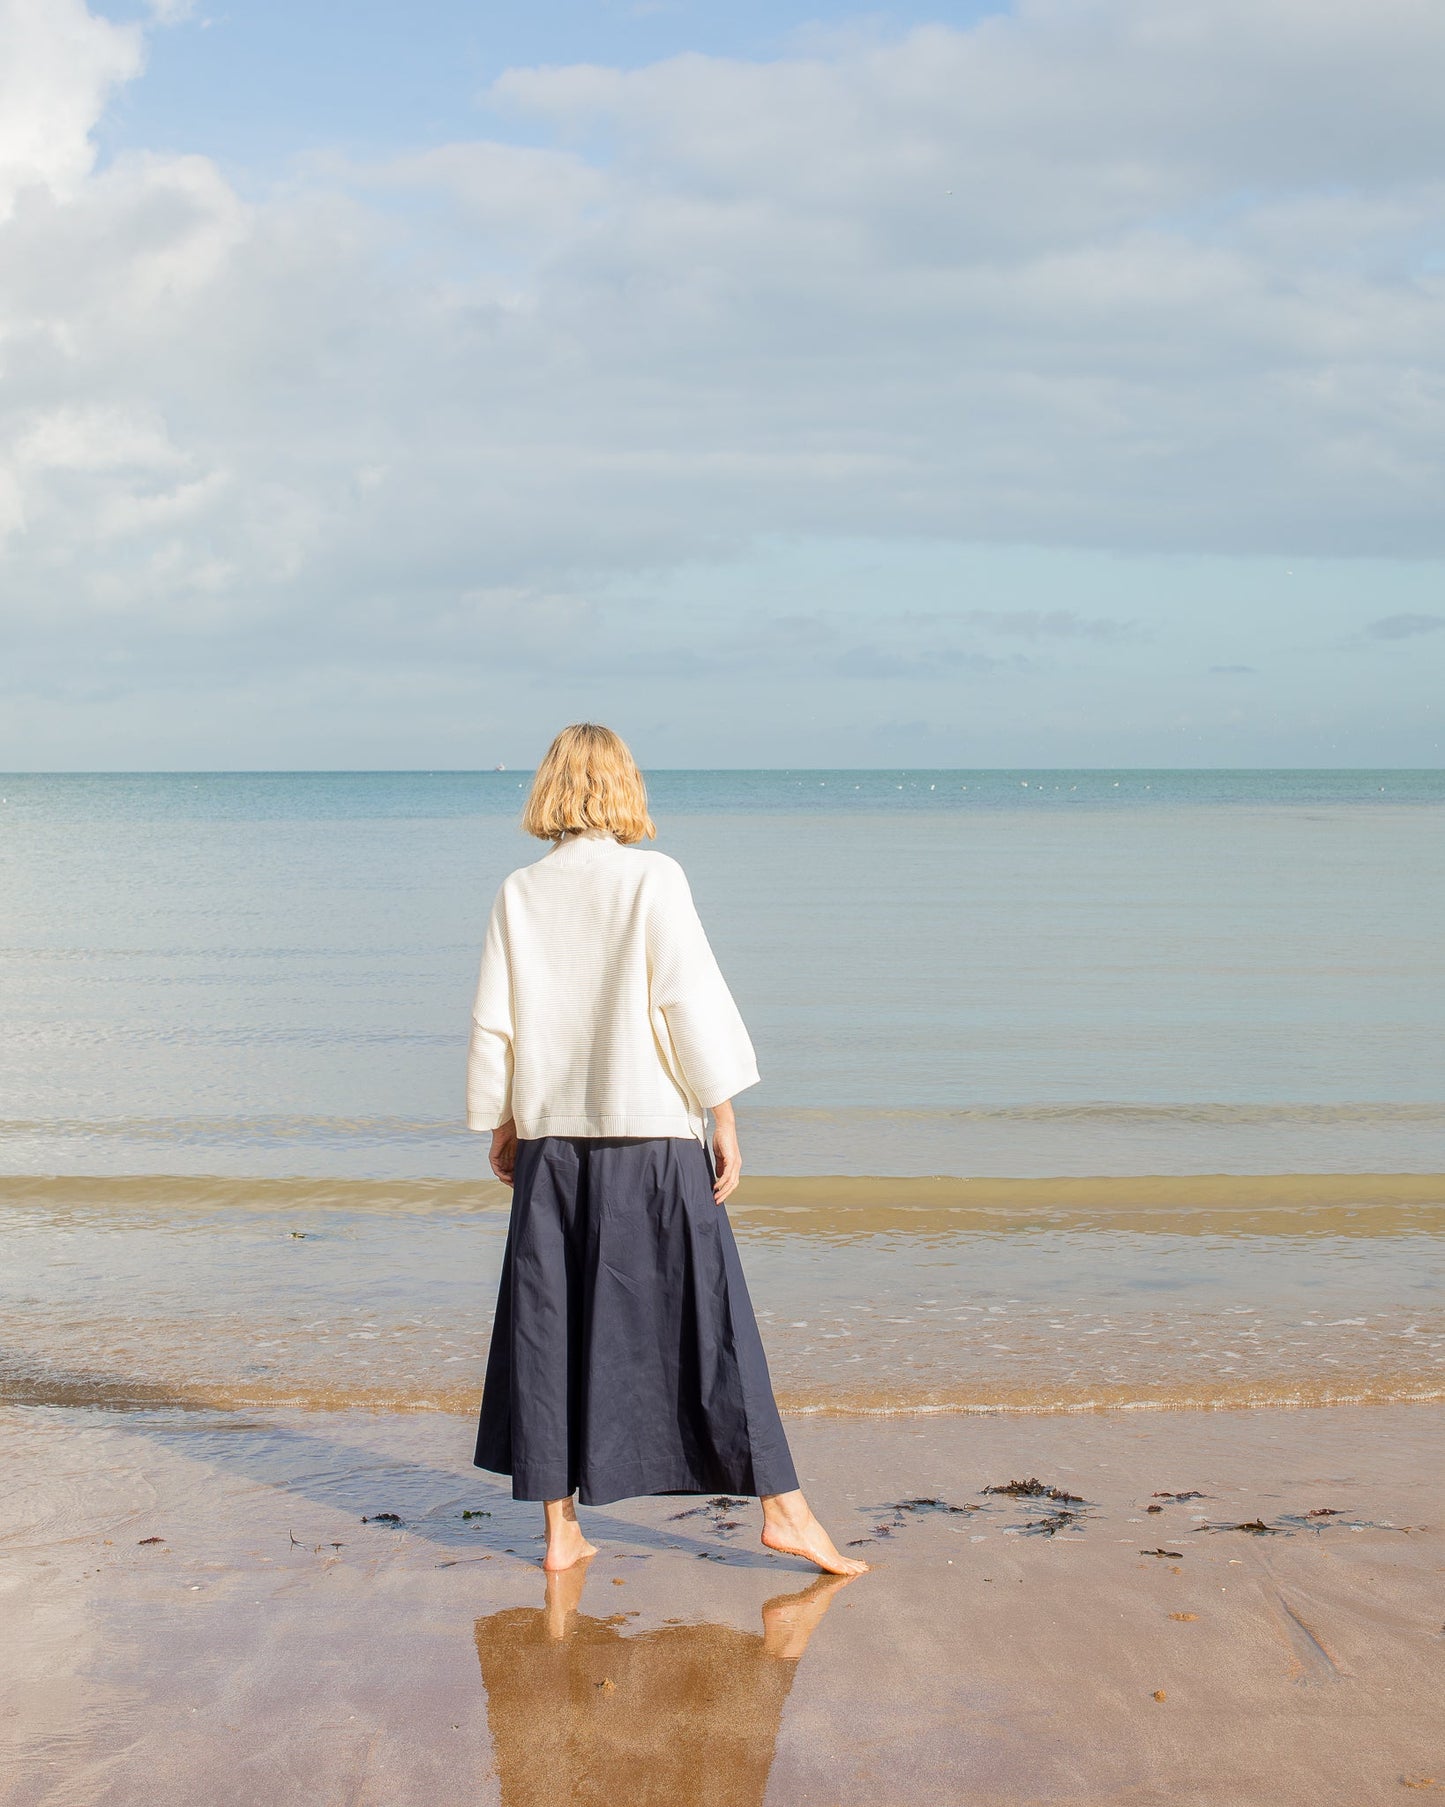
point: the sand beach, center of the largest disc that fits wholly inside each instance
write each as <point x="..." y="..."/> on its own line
<point x="284" y="1607"/>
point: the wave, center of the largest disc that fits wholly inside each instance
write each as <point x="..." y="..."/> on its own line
<point x="106" y="1392"/>
<point x="847" y="1206"/>
<point x="303" y="1128"/>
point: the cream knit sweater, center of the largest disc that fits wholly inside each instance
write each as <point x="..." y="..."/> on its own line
<point x="600" y="1009"/>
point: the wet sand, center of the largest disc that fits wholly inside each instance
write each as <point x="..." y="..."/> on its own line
<point x="272" y="1648"/>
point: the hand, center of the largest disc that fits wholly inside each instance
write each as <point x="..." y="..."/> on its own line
<point x="727" y="1157"/>
<point x="504" y="1151"/>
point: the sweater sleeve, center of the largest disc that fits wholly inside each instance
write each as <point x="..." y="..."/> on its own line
<point x="687" y="986"/>
<point x="489" y="1053"/>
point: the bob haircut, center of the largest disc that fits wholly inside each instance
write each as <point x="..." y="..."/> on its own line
<point x="588" y="779"/>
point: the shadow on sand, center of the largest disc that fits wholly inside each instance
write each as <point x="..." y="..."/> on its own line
<point x="347" y="1477"/>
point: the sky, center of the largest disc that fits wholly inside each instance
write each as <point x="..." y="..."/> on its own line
<point x="1053" y="385"/>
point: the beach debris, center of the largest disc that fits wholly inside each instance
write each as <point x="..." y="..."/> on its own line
<point x="1062" y="1517"/>
<point x="1060" y="1520"/>
<point x="606" y="1685"/>
<point x="1057" y="1517"/>
<point x="1153" y="1508"/>
<point x="335" y="1546"/>
<point x="617" y="1581"/>
<point x="475" y="1512"/>
<point x="146" y="1540"/>
<point x="1325" y="1512"/>
<point x="383" y="1518"/>
<point x="1184" y="1618"/>
<point x="1420" y="1782"/>
<point x="1176" y="1555"/>
<point x="915" y="1506"/>
<point x="717" y="1510"/>
<point x="1035" y="1489"/>
<point x="298" y="1235"/>
<point x="1256" y="1527"/>
<point x="1159" y="1694"/>
<point x="1178" y="1496"/>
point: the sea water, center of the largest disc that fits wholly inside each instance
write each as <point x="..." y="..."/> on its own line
<point x="1120" y="977"/>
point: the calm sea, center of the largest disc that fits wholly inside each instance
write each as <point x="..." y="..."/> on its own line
<point x="944" y="972"/>
<point x="1103" y="981"/>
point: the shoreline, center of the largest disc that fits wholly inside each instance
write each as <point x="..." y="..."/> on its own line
<point x="108" y="1393"/>
<point x="964" y="1298"/>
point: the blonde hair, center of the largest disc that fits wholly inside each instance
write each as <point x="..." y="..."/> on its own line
<point x="588" y="779"/>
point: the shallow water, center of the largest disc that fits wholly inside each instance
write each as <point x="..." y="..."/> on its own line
<point x="1116" y="1294"/>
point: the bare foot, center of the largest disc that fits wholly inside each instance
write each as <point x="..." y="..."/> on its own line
<point x="565" y="1543"/>
<point x="789" y="1620"/>
<point x="565" y="1552"/>
<point x="790" y="1528"/>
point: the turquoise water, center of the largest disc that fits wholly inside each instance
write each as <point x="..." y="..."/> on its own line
<point x="944" y="972"/>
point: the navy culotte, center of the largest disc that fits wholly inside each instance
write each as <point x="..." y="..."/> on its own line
<point x="625" y="1356"/>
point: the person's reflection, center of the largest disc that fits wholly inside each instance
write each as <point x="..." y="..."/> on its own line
<point x="682" y="1715"/>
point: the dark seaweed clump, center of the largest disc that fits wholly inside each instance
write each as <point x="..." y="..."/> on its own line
<point x="1059" y="1520"/>
<point x="901" y="1509"/>
<point x="1035" y="1489"/>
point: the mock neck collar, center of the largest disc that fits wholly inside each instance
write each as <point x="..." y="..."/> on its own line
<point x="583" y="844"/>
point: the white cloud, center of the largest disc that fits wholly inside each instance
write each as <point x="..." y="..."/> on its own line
<point x="58" y="66"/>
<point x="1142" y="274"/>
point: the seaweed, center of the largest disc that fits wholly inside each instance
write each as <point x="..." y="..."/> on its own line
<point x="1061" y="1520"/>
<point x="1035" y="1489"/>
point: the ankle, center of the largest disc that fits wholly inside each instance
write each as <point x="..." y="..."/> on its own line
<point x="788" y="1509"/>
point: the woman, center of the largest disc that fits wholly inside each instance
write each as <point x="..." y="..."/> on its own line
<point x="625" y="1357"/>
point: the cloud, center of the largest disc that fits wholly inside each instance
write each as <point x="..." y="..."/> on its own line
<point x="1404" y="627"/>
<point x="59" y="64"/>
<point x="1129" y="274"/>
<point x="1049" y="624"/>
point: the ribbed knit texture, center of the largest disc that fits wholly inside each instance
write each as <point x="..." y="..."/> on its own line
<point x="600" y="1009"/>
